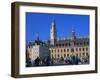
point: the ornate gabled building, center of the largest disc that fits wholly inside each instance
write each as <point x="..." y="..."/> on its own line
<point x="73" y="46"/>
<point x="36" y="49"/>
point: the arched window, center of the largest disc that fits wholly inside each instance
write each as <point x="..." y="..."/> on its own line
<point x="84" y="43"/>
<point x="66" y="44"/>
<point x="64" y="50"/>
<point x="67" y="55"/>
<point x="77" y="44"/>
<point x="64" y="55"/>
<point x="63" y="45"/>
<point x="52" y="56"/>
<point x="86" y="49"/>
<point x="74" y="43"/>
<point x="83" y="49"/>
<point x="83" y="54"/>
<point x="87" y="43"/>
<point x="58" y="50"/>
<point x="58" y="55"/>
<point x="55" y="55"/>
<point x="80" y="54"/>
<point x="67" y="50"/>
<point x="55" y="50"/>
<point x="76" y="54"/>
<point x="79" y="49"/>
<point x="57" y="45"/>
<point x="76" y="49"/>
<point x="61" y="50"/>
<point x="52" y="50"/>
<point x="87" y="54"/>
<point x="72" y="49"/>
<point x="80" y="43"/>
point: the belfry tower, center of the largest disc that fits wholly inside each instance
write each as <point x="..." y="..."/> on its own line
<point x="53" y="33"/>
<point x="73" y="37"/>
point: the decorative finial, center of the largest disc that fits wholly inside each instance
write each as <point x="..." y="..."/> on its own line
<point x="73" y="30"/>
<point x="64" y="38"/>
<point x="37" y="36"/>
<point x="53" y="22"/>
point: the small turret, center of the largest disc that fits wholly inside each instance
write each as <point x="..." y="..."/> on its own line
<point x="73" y="37"/>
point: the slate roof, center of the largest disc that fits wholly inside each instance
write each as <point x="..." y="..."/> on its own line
<point x="62" y="43"/>
<point x="68" y="42"/>
<point x="36" y="42"/>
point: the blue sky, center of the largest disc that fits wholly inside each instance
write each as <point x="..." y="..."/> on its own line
<point x="41" y="23"/>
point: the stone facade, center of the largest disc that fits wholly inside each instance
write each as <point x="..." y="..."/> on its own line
<point x="37" y="49"/>
<point x="80" y="49"/>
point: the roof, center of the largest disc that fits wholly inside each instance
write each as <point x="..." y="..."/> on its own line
<point x="68" y="42"/>
<point x="62" y="43"/>
<point x="37" y="42"/>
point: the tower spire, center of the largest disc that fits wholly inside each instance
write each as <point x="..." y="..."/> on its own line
<point x="73" y="30"/>
<point x="53" y="32"/>
<point x="53" y="22"/>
